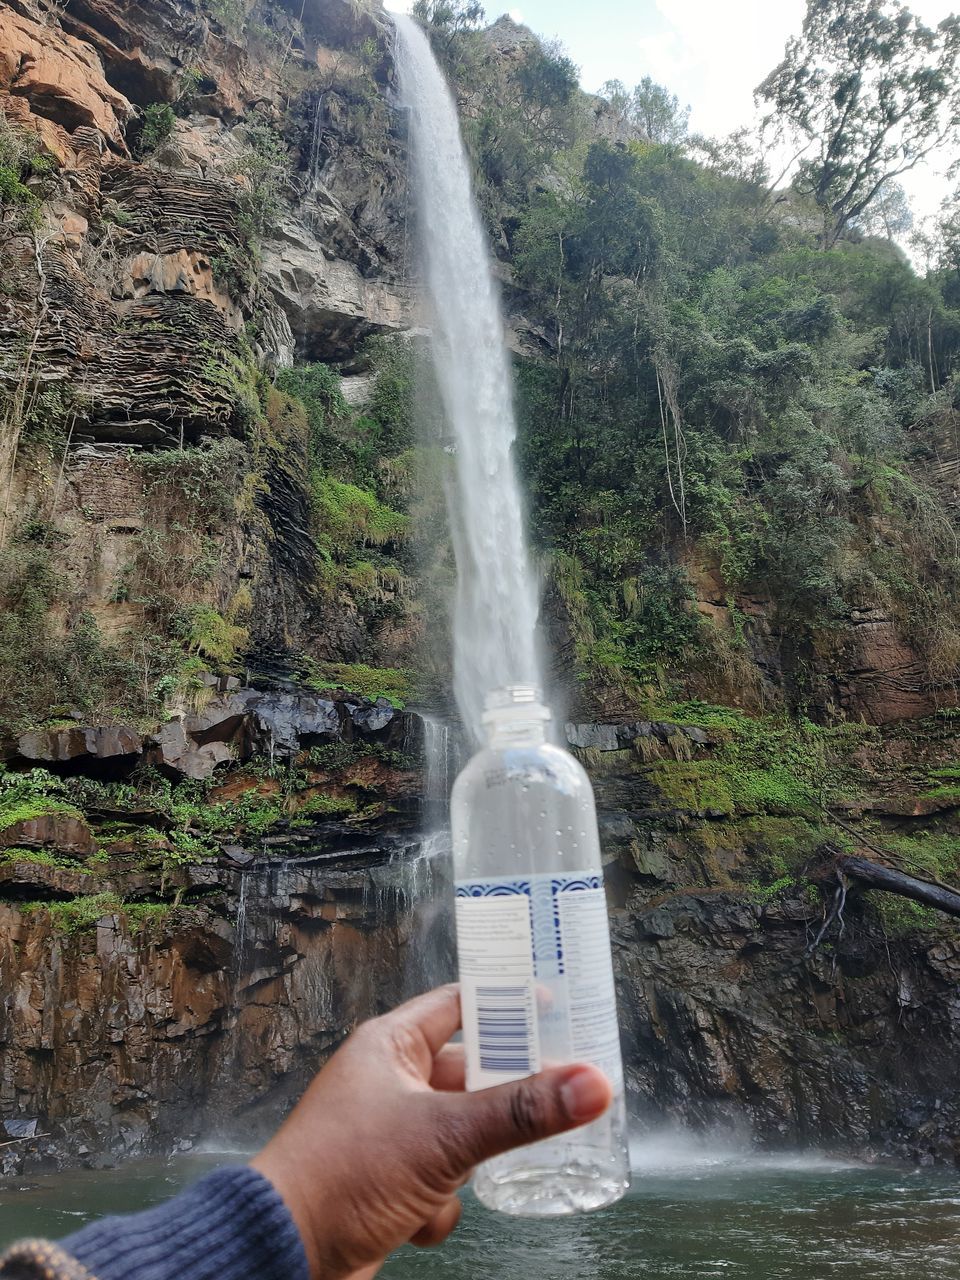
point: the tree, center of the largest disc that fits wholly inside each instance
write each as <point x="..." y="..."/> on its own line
<point x="531" y="111"/>
<point x="450" y="23"/>
<point x="654" y="110"/>
<point x="450" y="16"/>
<point x="889" y="213"/>
<point x="869" y="90"/>
<point x="948" y="235"/>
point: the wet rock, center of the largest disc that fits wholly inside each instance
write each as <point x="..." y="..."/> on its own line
<point x="283" y="718"/>
<point x="188" y="758"/>
<point x="65" y="832"/>
<point x="595" y="737"/>
<point x="373" y="719"/>
<point x="657" y="924"/>
<point x="637" y="733"/>
<point x="695" y="734"/>
<point x="650" y="859"/>
<point x="59" y="745"/>
<point x="20" y="1128"/>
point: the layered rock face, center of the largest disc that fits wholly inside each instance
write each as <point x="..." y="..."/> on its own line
<point x="176" y="958"/>
<point x="123" y="1041"/>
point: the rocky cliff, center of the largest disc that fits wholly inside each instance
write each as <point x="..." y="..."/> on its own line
<point x="211" y="813"/>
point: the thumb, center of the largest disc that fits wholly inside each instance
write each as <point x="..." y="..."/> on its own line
<point x="496" y="1120"/>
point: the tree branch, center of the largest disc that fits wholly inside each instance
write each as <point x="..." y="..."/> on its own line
<point x="878" y="877"/>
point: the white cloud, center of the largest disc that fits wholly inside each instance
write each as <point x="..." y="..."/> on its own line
<point x="713" y="57"/>
<point x="515" y="14"/>
<point x="718" y="54"/>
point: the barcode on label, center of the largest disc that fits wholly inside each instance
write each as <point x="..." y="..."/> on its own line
<point x="505" y="1027"/>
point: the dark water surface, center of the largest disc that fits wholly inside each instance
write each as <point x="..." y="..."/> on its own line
<point x="730" y="1216"/>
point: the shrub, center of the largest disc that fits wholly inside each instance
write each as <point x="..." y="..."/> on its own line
<point x="21" y="157"/>
<point x="159" y="122"/>
<point x="76" y="914"/>
<point x="207" y="632"/>
<point x="348" y="514"/>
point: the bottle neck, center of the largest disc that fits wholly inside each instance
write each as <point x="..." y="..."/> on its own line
<point x="516" y="733"/>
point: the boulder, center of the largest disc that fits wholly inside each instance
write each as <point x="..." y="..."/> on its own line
<point x="330" y="304"/>
<point x="375" y="718"/>
<point x="593" y="737"/>
<point x="64" y="831"/>
<point x="21" y="1128"/>
<point x="191" y="759"/>
<point x="59" y="745"/>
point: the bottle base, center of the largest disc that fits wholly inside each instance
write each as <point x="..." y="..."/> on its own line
<point x="548" y="1191"/>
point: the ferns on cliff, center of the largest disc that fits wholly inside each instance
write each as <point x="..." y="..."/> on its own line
<point x="21" y="158"/>
<point x="348" y="514"/>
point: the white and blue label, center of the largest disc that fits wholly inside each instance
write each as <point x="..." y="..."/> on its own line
<point x="536" y="976"/>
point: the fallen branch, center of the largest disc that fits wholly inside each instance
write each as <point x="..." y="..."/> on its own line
<point x="13" y="1141"/>
<point x="878" y="877"/>
<point x="860" y="838"/>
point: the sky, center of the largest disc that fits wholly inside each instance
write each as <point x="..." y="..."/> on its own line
<point x="711" y="55"/>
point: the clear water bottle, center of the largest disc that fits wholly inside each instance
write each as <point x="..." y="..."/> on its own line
<point x="534" y="948"/>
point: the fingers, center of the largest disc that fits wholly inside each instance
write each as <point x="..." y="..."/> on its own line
<point x="435" y="1015"/>
<point x="440" y="1225"/>
<point x="485" y="1124"/>
<point x="450" y="1069"/>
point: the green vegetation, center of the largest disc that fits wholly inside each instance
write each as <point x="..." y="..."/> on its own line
<point x="38" y="858"/>
<point x="930" y="855"/>
<point x="231" y="14"/>
<point x="43" y="663"/>
<point x="21" y="158"/>
<point x="207" y="633"/>
<point x="29" y="809"/>
<point x="740" y="380"/>
<point x="370" y="682"/>
<point x="946" y="784"/>
<point x="348" y="513"/>
<point x="356" y="473"/>
<point x="265" y="168"/>
<point x="900" y="917"/>
<point x="650" y="108"/>
<point x="76" y="914"/>
<point x="159" y="122"/>
<point x="766" y="766"/>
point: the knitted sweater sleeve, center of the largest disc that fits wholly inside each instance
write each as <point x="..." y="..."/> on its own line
<point x="232" y="1225"/>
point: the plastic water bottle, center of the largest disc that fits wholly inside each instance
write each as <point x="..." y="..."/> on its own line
<point x="534" y="946"/>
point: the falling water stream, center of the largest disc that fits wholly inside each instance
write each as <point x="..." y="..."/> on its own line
<point x="496" y="606"/>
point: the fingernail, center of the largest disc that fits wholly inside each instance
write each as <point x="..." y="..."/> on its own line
<point x="585" y="1094"/>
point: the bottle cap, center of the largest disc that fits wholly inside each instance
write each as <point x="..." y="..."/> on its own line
<point x="516" y="702"/>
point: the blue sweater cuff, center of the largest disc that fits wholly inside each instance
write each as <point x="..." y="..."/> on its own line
<point x="229" y="1226"/>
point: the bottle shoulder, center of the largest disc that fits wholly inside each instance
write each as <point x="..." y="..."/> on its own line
<point x="542" y="764"/>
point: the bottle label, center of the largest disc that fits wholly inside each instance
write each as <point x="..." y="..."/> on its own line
<point x="536" y="976"/>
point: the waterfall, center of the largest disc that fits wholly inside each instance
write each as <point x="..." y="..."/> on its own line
<point x="496" y="605"/>
<point x="316" y="139"/>
<point x="240" y="928"/>
<point x="441" y="749"/>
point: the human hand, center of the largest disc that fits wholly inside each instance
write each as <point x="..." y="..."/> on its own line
<point x="374" y="1154"/>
